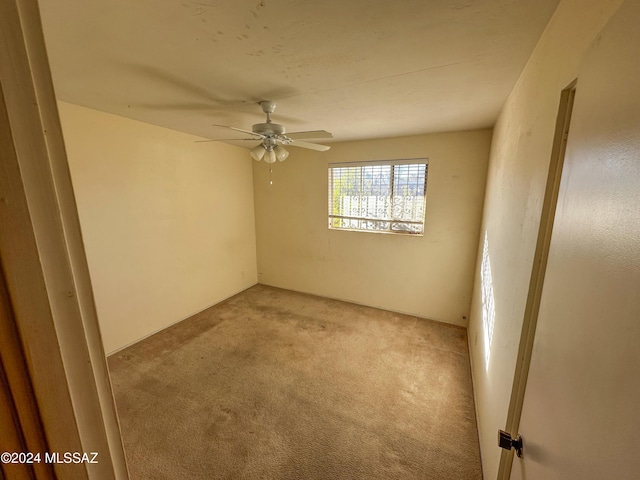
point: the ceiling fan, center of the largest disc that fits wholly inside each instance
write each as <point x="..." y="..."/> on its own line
<point x="273" y="136"/>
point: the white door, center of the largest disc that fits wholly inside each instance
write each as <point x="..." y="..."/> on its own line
<point x="581" y="411"/>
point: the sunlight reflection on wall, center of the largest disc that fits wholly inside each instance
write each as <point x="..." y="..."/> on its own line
<point x="488" y="307"/>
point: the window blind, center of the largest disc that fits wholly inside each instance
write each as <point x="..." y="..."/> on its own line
<point x="378" y="196"/>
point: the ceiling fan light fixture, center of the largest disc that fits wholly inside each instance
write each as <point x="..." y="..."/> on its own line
<point x="281" y="153"/>
<point x="270" y="156"/>
<point x="257" y="153"/>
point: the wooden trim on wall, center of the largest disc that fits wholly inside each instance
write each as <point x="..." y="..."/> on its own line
<point x="44" y="262"/>
<point x="20" y="423"/>
<point x="538" y="270"/>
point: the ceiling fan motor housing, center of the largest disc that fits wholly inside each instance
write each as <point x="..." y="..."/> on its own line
<point x="268" y="128"/>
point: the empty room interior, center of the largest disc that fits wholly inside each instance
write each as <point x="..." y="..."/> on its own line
<point x="331" y="240"/>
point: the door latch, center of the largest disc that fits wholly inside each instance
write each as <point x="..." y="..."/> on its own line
<point x="506" y="441"/>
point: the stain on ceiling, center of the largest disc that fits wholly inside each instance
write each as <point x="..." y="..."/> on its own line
<point x="357" y="68"/>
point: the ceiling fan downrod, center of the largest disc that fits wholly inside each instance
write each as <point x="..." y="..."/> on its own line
<point x="268" y="128"/>
<point x="268" y="107"/>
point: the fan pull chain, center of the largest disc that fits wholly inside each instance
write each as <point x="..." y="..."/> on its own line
<point x="270" y="176"/>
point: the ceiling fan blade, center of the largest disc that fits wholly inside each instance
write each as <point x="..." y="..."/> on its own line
<point x="173" y="106"/>
<point x="310" y="146"/>
<point x="309" y="134"/>
<point x="228" y="140"/>
<point x="259" y="135"/>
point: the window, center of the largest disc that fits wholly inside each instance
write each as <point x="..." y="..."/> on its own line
<point x="386" y="196"/>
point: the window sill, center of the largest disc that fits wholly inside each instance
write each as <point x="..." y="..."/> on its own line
<point x="384" y="232"/>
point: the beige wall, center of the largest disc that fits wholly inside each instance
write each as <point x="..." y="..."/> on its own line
<point x="429" y="276"/>
<point x="168" y="224"/>
<point x="520" y="153"/>
<point x="588" y="327"/>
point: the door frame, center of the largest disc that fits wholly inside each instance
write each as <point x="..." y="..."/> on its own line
<point x="44" y="264"/>
<point x="538" y="269"/>
<point x="20" y="422"/>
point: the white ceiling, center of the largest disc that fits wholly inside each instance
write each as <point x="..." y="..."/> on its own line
<point x="357" y="68"/>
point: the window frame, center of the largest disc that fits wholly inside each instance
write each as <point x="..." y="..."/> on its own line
<point x="391" y="163"/>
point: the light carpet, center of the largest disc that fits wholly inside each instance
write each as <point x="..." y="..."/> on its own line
<point x="273" y="384"/>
